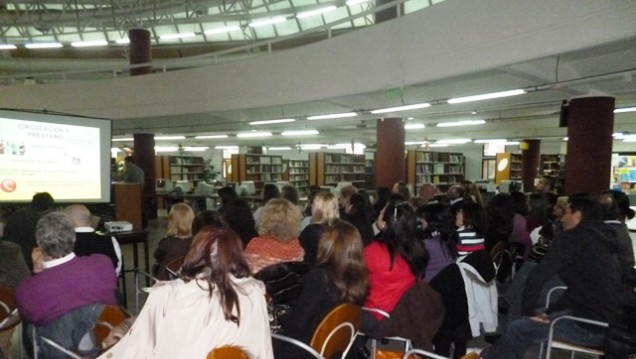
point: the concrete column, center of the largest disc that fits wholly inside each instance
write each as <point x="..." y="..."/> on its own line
<point x="589" y="151"/>
<point x="140" y="51"/>
<point x="390" y="164"/>
<point x="530" y="158"/>
<point x="144" y="145"/>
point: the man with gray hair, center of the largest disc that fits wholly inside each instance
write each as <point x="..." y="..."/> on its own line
<point x="66" y="294"/>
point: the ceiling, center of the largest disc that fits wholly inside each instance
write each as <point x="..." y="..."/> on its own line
<point x="608" y="70"/>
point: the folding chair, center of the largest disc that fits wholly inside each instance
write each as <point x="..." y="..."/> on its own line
<point x="418" y="353"/>
<point x="334" y="334"/>
<point x="9" y="315"/>
<point x="227" y="352"/>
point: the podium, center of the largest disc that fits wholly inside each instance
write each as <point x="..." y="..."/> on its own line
<point x="128" y="203"/>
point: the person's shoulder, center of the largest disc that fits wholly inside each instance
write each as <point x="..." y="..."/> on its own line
<point x="249" y="285"/>
<point x="96" y="259"/>
<point x="9" y="249"/>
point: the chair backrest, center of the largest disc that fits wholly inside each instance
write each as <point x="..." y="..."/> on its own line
<point x="111" y="317"/>
<point x="228" y="352"/>
<point x="335" y="332"/>
<point x="174" y="267"/>
<point x="8" y="308"/>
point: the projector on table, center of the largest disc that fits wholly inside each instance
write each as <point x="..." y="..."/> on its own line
<point x="118" y="226"/>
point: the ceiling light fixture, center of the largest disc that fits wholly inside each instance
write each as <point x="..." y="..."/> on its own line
<point x="226" y="147"/>
<point x="43" y="45"/>
<point x="97" y="43"/>
<point x="402" y="108"/>
<point x="166" y="148"/>
<point x="629" y="140"/>
<point x="7" y="47"/>
<point x="625" y="109"/>
<point x="455" y="140"/>
<point x="254" y="134"/>
<point x="436" y="145"/>
<point x="196" y="149"/>
<point x="270" y="21"/>
<point x="497" y="140"/>
<point x="512" y="143"/>
<point x="486" y="96"/>
<point x="282" y="148"/>
<point x="320" y="11"/>
<point x="209" y="137"/>
<point x="168" y="138"/>
<point x="300" y="133"/>
<point x="123" y="41"/>
<point x="412" y="143"/>
<point x="222" y="30"/>
<point x="311" y="146"/>
<point x="177" y="36"/>
<point x="122" y="139"/>
<point x="355" y="2"/>
<point x="461" y="123"/>
<point x="268" y="122"/>
<point x="332" y="116"/>
<point x="414" y="126"/>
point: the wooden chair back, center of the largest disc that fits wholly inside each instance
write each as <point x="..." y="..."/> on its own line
<point x="336" y="331"/>
<point x="111" y="317"/>
<point x="227" y="352"/>
<point x="8" y="313"/>
<point x="174" y="267"/>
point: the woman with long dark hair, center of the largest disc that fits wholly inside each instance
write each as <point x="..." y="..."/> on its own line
<point x="215" y="302"/>
<point x="439" y="237"/>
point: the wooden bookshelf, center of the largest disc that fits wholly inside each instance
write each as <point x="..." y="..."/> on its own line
<point x="508" y="167"/>
<point x="550" y="165"/>
<point x="257" y="168"/>
<point x="441" y="168"/>
<point x="327" y="169"/>
<point x="297" y="174"/>
<point x="370" y="174"/>
<point x="180" y="168"/>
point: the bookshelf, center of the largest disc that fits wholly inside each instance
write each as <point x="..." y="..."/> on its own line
<point x="508" y="167"/>
<point x="298" y="174"/>
<point x="370" y="174"/>
<point x="257" y="168"/>
<point x="550" y="165"/>
<point x="327" y="169"/>
<point x="441" y="168"/>
<point x="180" y="168"/>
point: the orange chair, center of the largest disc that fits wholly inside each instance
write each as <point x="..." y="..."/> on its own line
<point x="334" y="334"/>
<point x="227" y="352"/>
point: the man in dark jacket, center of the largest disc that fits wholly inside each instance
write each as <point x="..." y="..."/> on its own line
<point x="584" y="257"/>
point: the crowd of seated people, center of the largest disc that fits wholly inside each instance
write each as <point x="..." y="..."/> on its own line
<point x="441" y="250"/>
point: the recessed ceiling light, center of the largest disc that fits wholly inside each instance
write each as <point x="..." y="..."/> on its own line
<point x="332" y="116"/>
<point x="486" y="96"/>
<point x="455" y="140"/>
<point x="496" y="140"/>
<point x="123" y="139"/>
<point x="282" y="148"/>
<point x="97" y="43"/>
<point x="401" y="108"/>
<point x="414" y="126"/>
<point x="270" y="21"/>
<point x="625" y="109"/>
<point x="222" y="30"/>
<point x="253" y="134"/>
<point x="461" y="123"/>
<point x="320" y="11"/>
<point x="43" y="45"/>
<point x="7" y="47"/>
<point x="209" y="137"/>
<point x="226" y="147"/>
<point x="177" y="36"/>
<point x="268" y="122"/>
<point x="300" y="133"/>
<point x="167" y="138"/>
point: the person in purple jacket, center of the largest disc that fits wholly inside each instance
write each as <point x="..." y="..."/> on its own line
<point x="66" y="294"/>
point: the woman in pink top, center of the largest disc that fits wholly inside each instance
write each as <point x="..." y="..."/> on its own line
<point x="394" y="260"/>
<point x="277" y="241"/>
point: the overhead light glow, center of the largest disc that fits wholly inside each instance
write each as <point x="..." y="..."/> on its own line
<point x="226" y="147"/>
<point x="625" y="109"/>
<point x="184" y="35"/>
<point x="436" y="145"/>
<point x="89" y="43"/>
<point x="123" y="41"/>
<point x="168" y="138"/>
<point x="253" y="134"/>
<point x="414" y="126"/>
<point x="497" y="140"/>
<point x="461" y="123"/>
<point x="263" y="22"/>
<point x="402" y="108"/>
<point x="412" y="143"/>
<point x="486" y="96"/>
<point x="209" y="137"/>
<point x="43" y="45"/>
<point x="268" y="122"/>
<point x="512" y="143"/>
<point x="300" y="133"/>
<point x="166" y="148"/>
<point x="627" y="137"/>
<point x="618" y="134"/>
<point x="196" y="149"/>
<point x="309" y="13"/>
<point x="629" y="140"/>
<point x="222" y="30"/>
<point x="455" y="140"/>
<point x="566" y="138"/>
<point x="282" y="148"/>
<point x="355" y="2"/>
<point x="312" y="146"/>
<point x="332" y="116"/>
<point x="123" y="139"/>
<point x="7" y="47"/>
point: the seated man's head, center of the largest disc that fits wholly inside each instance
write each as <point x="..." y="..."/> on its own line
<point x="55" y="235"/>
<point x="455" y="191"/>
<point x="428" y="191"/>
<point x="581" y="208"/>
<point x="78" y="215"/>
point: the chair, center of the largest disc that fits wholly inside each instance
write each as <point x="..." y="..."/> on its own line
<point x="334" y="334"/>
<point x="139" y="289"/>
<point x="174" y="267"/>
<point x="418" y="353"/>
<point x="407" y="344"/>
<point x="227" y="352"/>
<point x="9" y="315"/>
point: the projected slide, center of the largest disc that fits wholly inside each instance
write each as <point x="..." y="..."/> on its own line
<point x="62" y="159"/>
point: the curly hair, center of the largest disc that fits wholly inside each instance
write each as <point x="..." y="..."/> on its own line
<point x="280" y="219"/>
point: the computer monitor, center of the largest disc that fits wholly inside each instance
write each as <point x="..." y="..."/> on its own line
<point x="204" y="189"/>
<point x="184" y="186"/>
<point x="163" y="185"/>
<point x="246" y="188"/>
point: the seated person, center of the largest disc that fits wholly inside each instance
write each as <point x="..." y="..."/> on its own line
<point x="278" y="231"/>
<point x="64" y="283"/>
<point x="215" y="302"/>
<point x="87" y="241"/>
<point x="340" y="275"/>
<point x="177" y="240"/>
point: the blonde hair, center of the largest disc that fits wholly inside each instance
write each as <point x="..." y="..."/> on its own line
<point x="324" y="208"/>
<point x="280" y="219"/>
<point x="180" y="220"/>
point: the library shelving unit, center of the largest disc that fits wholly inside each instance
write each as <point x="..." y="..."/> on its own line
<point x="441" y="168"/>
<point x="327" y="169"/>
<point x="298" y="174"/>
<point x="370" y="174"/>
<point x="550" y="165"/>
<point x="180" y="168"/>
<point x="508" y="167"/>
<point x="257" y="168"/>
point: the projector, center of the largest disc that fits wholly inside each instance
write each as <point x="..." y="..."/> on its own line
<point x="118" y="226"/>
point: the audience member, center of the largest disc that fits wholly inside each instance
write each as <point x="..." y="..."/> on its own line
<point x="65" y="296"/>
<point x="214" y="303"/>
<point x="382" y="198"/>
<point x="132" y="172"/>
<point x="520" y="233"/>
<point x="13" y="270"/>
<point x="313" y="191"/>
<point x="87" y="241"/>
<point x="340" y="275"/>
<point x="403" y="189"/>
<point x="177" y="240"/>
<point x="239" y="218"/>
<point x="455" y="197"/>
<point x="439" y="237"/>
<point x="471" y="192"/>
<point x="469" y="221"/>
<point x="345" y="195"/>
<point x="426" y="195"/>
<point x="21" y="224"/>
<point x="226" y="194"/>
<point x="270" y="191"/>
<point x="324" y="211"/>
<point x="357" y="214"/>
<point x="499" y="214"/>
<point x="584" y="258"/>
<point x="278" y="232"/>
<point x="205" y="218"/>
<point x="615" y="211"/>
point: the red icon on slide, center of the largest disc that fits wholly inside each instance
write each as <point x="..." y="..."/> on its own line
<point x="8" y="185"/>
